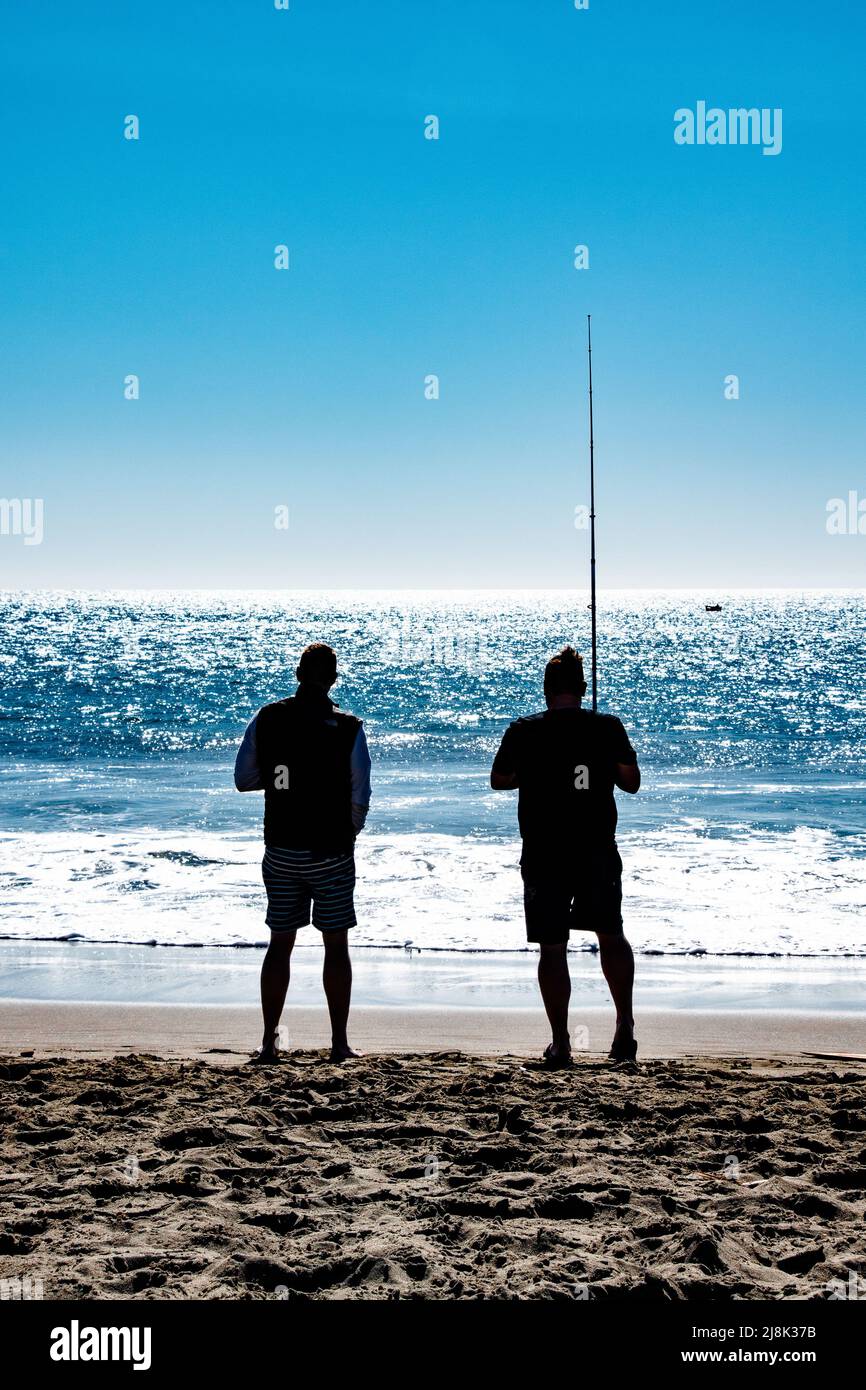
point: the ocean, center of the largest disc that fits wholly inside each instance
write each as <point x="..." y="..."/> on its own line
<point x="120" y="714"/>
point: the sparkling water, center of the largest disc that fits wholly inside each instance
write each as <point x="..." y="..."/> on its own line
<point x="121" y="713"/>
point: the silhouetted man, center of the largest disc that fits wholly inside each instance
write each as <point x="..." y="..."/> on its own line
<point x="565" y="764"/>
<point x="312" y="762"/>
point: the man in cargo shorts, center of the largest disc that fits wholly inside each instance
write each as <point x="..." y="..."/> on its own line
<point x="312" y="763"/>
<point x="565" y="764"/>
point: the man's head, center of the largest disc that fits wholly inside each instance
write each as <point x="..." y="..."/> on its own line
<point x="317" y="666"/>
<point x="563" y="676"/>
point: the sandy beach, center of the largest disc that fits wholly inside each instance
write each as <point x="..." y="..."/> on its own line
<point x="730" y="1167"/>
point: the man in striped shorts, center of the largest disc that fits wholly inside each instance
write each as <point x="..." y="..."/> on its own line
<point x="312" y="763"/>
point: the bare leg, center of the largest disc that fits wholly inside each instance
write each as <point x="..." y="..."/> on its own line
<point x="617" y="963"/>
<point x="276" y="972"/>
<point x="337" y="980"/>
<point x="554" y="982"/>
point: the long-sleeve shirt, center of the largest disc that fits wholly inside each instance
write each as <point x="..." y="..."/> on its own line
<point x="248" y="776"/>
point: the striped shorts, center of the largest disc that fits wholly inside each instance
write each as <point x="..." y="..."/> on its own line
<point x="295" y="878"/>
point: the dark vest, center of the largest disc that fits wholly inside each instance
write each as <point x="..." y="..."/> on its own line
<point x="304" y="748"/>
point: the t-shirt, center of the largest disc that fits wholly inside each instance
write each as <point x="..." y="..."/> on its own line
<point x="565" y="761"/>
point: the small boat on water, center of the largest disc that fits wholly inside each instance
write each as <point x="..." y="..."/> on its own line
<point x="712" y="608"/>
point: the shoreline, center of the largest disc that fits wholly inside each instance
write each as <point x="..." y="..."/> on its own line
<point x="695" y="952"/>
<point x="61" y="973"/>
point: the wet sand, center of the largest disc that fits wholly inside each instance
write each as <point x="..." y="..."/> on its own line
<point x="229" y="1033"/>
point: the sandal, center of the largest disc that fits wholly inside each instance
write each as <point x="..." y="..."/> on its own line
<point x="623" y="1051"/>
<point x="555" y="1061"/>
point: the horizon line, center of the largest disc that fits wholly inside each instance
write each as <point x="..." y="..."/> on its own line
<point x="431" y="589"/>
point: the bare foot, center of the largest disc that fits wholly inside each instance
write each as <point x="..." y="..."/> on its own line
<point x="342" y="1052"/>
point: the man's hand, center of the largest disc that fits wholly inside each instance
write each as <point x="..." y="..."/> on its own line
<point x="503" y="781"/>
<point x="627" y="777"/>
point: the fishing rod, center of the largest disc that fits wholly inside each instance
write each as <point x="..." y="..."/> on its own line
<point x="591" y="516"/>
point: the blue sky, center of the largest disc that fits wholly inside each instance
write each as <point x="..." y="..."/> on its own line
<point x="305" y="388"/>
